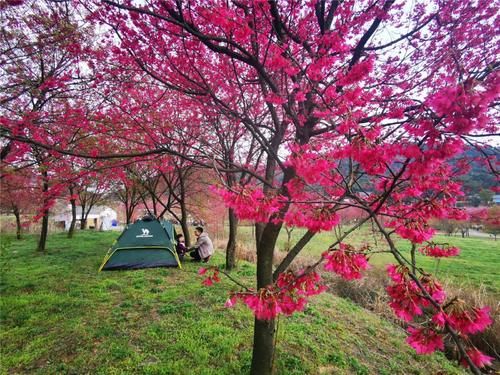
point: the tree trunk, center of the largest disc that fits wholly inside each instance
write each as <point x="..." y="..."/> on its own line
<point x="263" y="347"/>
<point x="45" y="220"/>
<point x="129" y="215"/>
<point x="83" y="221"/>
<point x="264" y="331"/>
<point x="259" y="227"/>
<point x="231" y="242"/>
<point x="129" y="210"/>
<point x="184" y="225"/>
<point x="155" y="211"/>
<point x="18" y="222"/>
<point x="71" y="230"/>
<point x="45" y="230"/>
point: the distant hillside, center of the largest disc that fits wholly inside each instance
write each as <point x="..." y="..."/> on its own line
<point x="479" y="177"/>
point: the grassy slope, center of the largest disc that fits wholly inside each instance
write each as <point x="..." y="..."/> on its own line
<point x="477" y="264"/>
<point x="58" y="315"/>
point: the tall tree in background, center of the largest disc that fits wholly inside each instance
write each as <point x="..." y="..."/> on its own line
<point x="91" y="192"/>
<point x="234" y="148"/>
<point x="18" y="195"/>
<point x="40" y="74"/>
<point x="128" y="191"/>
<point x="492" y="221"/>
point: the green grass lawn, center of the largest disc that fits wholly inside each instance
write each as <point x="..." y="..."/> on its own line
<point x="476" y="266"/>
<point x="59" y="316"/>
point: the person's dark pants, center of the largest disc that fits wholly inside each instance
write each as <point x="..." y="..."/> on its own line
<point x="195" y="255"/>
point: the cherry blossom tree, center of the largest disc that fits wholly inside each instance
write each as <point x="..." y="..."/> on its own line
<point x="18" y="196"/>
<point x="233" y="147"/>
<point x="347" y="117"/>
<point x="127" y="191"/>
<point x="492" y="221"/>
<point x="41" y="80"/>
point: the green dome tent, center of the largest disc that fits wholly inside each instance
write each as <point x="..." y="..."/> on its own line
<point x="144" y="244"/>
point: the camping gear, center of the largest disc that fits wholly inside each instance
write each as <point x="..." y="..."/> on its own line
<point x="143" y="244"/>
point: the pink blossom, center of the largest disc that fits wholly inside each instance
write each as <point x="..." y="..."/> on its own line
<point x="478" y="358"/>
<point x="264" y="304"/>
<point x="395" y="273"/>
<point x="415" y="232"/>
<point x="314" y="219"/>
<point x="424" y="340"/>
<point x="434" y="289"/>
<point x="250" y="203"/>
<point x="275" y="99"/>
<point x="346" y="262"/>
<point x="405" y="301"/>
<point x="470" y="321"/>
<point x="208" y="282"/>
<point x="436" y="251"/>
<point x="212" y="275"/>
<point x="440" y="319"/>
<point x="306" y="284"/>
<point x="288" y="295"/>
<point x="231" y="301"/>
<point x="357" y="73"/>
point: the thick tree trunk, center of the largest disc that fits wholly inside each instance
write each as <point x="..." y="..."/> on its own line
<point x="264" y="331"/>
<point x="231" y="242"/>
<point x="18" y="222"/>
<point x="71" y="230"/>
<point x="45" y="219"/>
<point x="263" y="347"/>
<point x="259" y="227"/>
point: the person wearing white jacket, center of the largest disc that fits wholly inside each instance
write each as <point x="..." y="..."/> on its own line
<point x="203" y="249"/>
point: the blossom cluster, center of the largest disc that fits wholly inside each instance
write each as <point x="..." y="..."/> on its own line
<point x="464" y="108"/>
<point x="414" y="230"/>
<point x="346" y="261"/>
<point x="439" y="251"/>
<point x="211" y="275"/>
<point x="250" y="203"/>
<point x="288" y="295"/>
<point x="314" y="219"/>
<point x="468" y="321"/>
<point x="477" y="357"/>
<point x="408" y="301"/>
<point x="425" y="340"/>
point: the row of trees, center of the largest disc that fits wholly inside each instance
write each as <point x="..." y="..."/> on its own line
<point x="299" y="110"/>
<point x="136" y="187"/>
<point x="487" y="220"/>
